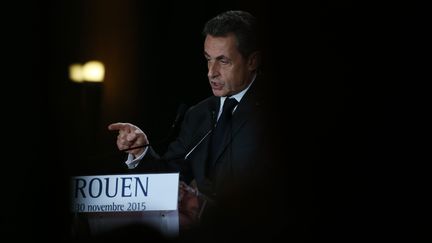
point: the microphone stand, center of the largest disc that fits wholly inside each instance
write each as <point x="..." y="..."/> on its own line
<point x="136" y="147"/>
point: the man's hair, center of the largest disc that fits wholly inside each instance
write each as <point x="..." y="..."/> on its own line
<point x="242" y="24"/>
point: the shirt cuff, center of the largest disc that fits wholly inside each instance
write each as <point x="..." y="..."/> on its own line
<point x="133" y="162"/>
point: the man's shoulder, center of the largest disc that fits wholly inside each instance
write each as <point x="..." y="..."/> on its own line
<point x="208" y="104"/>
<point x="201" y="112"/>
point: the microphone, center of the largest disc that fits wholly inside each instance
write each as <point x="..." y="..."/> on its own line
<point x="181" y="110"/>
<point x="205" y="135"/>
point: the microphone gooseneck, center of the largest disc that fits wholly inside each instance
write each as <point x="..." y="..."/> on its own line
<point x="199" y="142"/>
<point x="136" y="147"/>
<point x="213" y="125"/>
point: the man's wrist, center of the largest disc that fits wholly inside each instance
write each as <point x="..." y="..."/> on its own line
<point x="132" y="161"/>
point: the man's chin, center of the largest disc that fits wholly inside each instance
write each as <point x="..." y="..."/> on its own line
<point x="219" y="93"/>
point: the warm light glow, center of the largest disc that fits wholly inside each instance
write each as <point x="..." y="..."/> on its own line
<point x="75" y="73"/>
<point x="93" y="71"/>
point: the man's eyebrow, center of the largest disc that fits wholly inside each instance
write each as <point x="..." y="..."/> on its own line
<point x="222" y="57"/>
<point x="218" y="57"/>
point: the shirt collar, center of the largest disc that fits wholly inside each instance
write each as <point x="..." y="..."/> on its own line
<point x="240" y="94"/>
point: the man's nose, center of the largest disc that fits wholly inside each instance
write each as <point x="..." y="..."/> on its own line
<point x="213" y="70"/>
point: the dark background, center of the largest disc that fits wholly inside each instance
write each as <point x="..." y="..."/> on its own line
<point x="344" y="78"/>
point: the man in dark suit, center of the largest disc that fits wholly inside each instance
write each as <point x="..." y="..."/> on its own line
<point x="218" y="148"/>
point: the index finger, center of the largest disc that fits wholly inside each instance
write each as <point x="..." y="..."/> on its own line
<point x="119" y="126"/>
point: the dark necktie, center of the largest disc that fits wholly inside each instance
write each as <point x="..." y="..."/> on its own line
<point x="221" y="130"/>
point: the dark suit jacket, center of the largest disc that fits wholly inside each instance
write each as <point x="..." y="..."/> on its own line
<point x="241" y="157"/>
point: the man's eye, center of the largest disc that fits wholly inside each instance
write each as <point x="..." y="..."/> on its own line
<point x="224" y="61"/>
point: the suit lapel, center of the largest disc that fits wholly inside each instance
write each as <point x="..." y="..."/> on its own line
<point x="201" y="154"/>
<point x="244" y="111"/>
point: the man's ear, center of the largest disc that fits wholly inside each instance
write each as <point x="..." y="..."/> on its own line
<point x="254" y="60"/>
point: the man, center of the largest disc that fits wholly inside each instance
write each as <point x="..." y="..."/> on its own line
<point x="215" y="150"/>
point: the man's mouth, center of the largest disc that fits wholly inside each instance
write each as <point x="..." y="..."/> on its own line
<point x="216" y="86"/>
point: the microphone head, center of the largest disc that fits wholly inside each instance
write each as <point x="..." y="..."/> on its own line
<point x="181" y="110"/>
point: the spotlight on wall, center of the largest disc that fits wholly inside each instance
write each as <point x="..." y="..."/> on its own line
<point x="92" y="71"/>
<point x="76" y="73"/>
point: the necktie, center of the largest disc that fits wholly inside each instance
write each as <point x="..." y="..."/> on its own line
<point x="221" y="130"/>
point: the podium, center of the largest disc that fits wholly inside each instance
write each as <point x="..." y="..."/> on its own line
<point x="104" y="203"/>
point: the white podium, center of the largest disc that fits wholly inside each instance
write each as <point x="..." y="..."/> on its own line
<point x="108" y="202"/>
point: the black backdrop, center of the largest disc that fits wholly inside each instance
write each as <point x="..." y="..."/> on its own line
<point x="335" y="69"/>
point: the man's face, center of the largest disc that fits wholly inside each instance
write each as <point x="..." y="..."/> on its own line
<point x="228" y="71"/>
